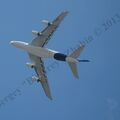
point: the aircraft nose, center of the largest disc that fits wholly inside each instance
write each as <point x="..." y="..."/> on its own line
<point x="11" y="42"/>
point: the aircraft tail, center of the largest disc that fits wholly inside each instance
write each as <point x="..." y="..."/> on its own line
<point x="72" y="60"/>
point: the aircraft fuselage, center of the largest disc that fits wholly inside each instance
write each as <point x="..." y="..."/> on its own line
<point x="39" y="51"/>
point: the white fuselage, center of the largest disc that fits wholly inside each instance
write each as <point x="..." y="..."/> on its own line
<point x="37" y="51"/>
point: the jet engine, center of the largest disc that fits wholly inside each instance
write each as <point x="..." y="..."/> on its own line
<point x="30" y="65"/>
<point x="46" y="22"/>
<point x="34" y="32"/>
<point x="35" y="78"/>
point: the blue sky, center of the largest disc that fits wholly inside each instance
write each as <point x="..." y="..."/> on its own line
<point x="96" y="96"/>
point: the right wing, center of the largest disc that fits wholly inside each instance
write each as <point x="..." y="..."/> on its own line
<point x="46" y="34"/>
<point x="41" y="73"/>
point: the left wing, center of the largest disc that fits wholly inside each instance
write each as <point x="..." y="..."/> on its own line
<point x="41" y="73"/>
<point x="46" y="34"/>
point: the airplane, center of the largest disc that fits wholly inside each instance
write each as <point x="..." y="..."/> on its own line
<point x="37" y="52"/>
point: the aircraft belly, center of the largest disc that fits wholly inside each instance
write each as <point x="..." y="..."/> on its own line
<point x="40" y="52"/>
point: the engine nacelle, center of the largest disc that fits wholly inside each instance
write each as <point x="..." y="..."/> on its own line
<point x="30" y="65"/>
<point x="46" y="22"/>
<point x="35" y="78"/>
<point x="34" y="32"/>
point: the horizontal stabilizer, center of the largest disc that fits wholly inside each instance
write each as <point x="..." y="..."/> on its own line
<point x="77" y="52"/>
<point x="72" y="60"/>
<point x="74" y="70"/>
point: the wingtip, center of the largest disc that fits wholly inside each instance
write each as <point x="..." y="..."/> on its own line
<point x="65" y="12"/>
<point x="50" y="97"/>
<point x="77" y="77"/>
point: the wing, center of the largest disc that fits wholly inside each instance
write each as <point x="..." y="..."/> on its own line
<point x="46" y="34"/>
<point x="41" y="73"/>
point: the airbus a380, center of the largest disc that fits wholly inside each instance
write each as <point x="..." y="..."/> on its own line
<point x="37" y="52"/>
